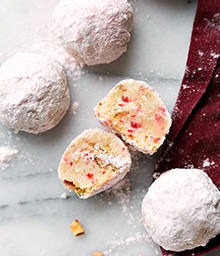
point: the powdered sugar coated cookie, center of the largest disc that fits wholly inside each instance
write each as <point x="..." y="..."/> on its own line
<point x="34" y="95"/>
<point x="94" y="31"/>
<point x="181" y="209"/>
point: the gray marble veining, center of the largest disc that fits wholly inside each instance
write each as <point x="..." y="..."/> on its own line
<point x="35" y="209"/>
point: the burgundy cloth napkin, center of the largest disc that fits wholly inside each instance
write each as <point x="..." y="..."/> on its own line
<point x="194" y="137"/>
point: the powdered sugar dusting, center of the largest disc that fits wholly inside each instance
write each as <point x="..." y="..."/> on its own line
<point x="58" y="53"/>
<point x="72" y="68"/>
<point x="74" y="108"/>
<point x="6" y="154"/>
<point x="118" y="245"/>
<point x="121" y="192"/>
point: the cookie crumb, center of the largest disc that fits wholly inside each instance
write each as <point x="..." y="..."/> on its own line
<point x="98" y="254"/>
<point x="64" y="196"/>
<point x="76" y="228"/>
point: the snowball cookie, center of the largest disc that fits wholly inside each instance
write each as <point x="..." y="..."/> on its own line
<point x="134" y="110"/>
<point x="94" y="31"/>
<point x="33" y="93"/>
<point x="94" y="161"/>
<point x="181" y="209"/>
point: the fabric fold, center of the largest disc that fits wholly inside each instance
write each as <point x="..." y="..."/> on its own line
<point x="194" y="137"/>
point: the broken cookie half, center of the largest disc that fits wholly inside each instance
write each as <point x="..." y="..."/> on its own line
<point x="93" y="162"/>
<point x="135" y="111"/>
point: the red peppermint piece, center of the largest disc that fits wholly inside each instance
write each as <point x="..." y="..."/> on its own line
<point x="135" y="125"/>
<point x="125" y="99"/>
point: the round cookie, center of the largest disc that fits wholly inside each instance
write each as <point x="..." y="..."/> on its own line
<point x="181" y="209"/>
<point x="94" y="31"/>
<point x="93" y="162"/>
<point x="34" y="95"/>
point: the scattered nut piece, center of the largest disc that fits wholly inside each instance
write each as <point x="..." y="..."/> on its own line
<point x="98" y="254"/>
<point x="77" y="228"/>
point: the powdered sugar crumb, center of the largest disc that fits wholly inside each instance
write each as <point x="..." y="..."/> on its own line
<point x="6" y="154"/>
<point x="74" y="108"/>
<point x="207" y="162"/>
<point x="64" y="196"/>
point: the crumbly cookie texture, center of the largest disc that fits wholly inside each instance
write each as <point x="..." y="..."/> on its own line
<point x="93" y="162"/>
<point x="134" y="111"/>
<point x="34" y="95"/>
<point x="94" y="31"/>
<point x="181" y="209"/>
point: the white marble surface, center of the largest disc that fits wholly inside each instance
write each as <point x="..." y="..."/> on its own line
<point x="34" y="218"/>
